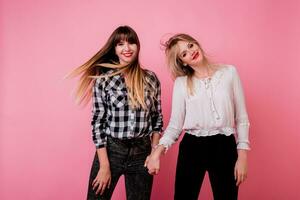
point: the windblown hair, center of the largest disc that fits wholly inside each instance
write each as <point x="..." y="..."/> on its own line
<point x="174" y="62"/>
<point x="107" y="58"/>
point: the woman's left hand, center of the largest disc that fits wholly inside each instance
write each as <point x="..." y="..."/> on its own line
<point x="241" y="168"/>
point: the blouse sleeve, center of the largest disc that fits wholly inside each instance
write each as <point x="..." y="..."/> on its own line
<point x="174" y="128"/>
<point x="241" y="116"/>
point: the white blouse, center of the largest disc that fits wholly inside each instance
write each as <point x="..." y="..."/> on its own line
<point x="217" y="107"/>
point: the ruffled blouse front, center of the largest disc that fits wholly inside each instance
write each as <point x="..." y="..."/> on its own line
<point x="217" y="107"/>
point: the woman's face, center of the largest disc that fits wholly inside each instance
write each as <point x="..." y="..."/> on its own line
<point x="126" y="52"/>
<point x="189" y="53"/>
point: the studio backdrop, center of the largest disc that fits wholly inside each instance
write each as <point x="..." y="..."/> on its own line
<point x="46" y="149"/>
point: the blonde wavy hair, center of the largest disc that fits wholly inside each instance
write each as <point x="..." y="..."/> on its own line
<point x="174" y="62"/>
<point x="105" y="59"/>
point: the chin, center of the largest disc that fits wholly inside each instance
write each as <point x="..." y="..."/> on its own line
<point x="127" y="61"/>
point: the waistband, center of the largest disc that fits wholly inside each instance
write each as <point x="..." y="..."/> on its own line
<point x="130" y="141"/>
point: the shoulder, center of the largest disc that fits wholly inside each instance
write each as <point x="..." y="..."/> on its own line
<point x="105" y="78"/>
<point x="227" y="68"/>
<point x="180" y="82"/>
<point x="224" y="67"/>
<point x="150" y="76"/>
<point x="180" y="79"/>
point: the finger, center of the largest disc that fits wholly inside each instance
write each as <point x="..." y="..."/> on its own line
<point x="242" y="179"/>
<point x="109" y="182"/>
<point x="95" y="185"/>
<point x="235" y="174"/>
<point x="237" y="177"/>
<point x="99" y="188"/>
<point x="103" y="188"/>
<point x="156" y="171"/>
<point x="238" y="182"/>
<point x="151" y="172"/>
<point x="94" y="181"/>
<point x="146" y="161"/>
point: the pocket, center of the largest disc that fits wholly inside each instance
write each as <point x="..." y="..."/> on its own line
<point x="118" y="98"/>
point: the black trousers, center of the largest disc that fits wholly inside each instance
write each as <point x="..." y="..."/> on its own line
<point x="215" y="154"/>
<point x="126" y="158"/>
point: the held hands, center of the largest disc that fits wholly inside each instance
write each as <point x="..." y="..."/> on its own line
<point x="153" y="160"/>
<point x="102" y="180"/>
<point x="240" y="170"/>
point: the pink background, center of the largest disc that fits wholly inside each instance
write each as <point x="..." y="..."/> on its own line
<point x="45" y="143"/>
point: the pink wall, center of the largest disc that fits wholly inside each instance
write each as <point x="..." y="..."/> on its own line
<point x="45" y="144"/>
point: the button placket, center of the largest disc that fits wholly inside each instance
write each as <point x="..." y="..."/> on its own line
<point x="131" y="119"/>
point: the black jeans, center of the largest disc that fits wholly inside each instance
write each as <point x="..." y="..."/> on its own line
<point x="126" y="157"/>
<point x="215" y="154"/>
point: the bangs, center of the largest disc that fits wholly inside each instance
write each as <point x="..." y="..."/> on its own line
<point x="126" y="34"/>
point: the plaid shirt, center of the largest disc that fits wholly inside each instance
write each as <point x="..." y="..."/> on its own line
<point x="113" y="116"/>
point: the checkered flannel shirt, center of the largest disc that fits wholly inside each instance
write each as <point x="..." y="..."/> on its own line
<point x="112" y="115"/>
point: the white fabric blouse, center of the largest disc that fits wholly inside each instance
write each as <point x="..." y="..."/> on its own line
<point x="217" y="107"/>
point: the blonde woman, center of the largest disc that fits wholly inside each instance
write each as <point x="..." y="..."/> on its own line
<point x="126" y="113"/>
<point x="208" y="103"/>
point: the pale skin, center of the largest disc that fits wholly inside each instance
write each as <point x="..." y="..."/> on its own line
<point x="191" y="54"/>
<point x="126" y="52"/>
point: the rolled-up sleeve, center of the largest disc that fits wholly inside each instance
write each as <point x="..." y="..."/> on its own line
<point x="156" y="115"/>
<point x="99" y="115"/>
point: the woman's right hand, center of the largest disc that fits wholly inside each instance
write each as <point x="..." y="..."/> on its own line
<point x="153" y="165"/>
<point x="102" y="180"/>
<point x="153" y="161"/>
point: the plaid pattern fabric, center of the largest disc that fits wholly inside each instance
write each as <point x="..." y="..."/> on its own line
<point x="112" y="115"/>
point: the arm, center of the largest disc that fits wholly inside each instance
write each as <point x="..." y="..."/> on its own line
<point x="241" y="116"/>
<point x="103" y="177"/>
<point x="242" y="124"/>
<point x="174" y="128"/>
<point x="157" y="117"/>
<point x="99" y="115"/>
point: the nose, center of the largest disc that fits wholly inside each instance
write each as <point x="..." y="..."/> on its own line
<point x="191" y="51"/>
<point x="126" y="46"/>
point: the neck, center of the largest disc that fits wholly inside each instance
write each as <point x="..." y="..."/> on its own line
<point x="202" y="70"/>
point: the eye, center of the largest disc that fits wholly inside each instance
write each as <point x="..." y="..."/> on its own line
<point x="131" y="42"/>
<point x="190" y="45"/>
<point x="183" y="55"/>
<point x="120" y="43"/>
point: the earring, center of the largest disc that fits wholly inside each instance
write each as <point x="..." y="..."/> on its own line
<point x="184" y="64"/>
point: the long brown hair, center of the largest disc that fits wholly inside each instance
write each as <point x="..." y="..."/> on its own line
<point x="174" y="62"/>
<point x="107" y="58"/>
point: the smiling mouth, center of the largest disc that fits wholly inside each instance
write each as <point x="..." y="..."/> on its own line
<point x="196" y="55"/>
<point x="127" y="54"/>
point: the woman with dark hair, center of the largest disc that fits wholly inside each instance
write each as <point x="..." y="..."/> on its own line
<point x="127" y="118"/>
